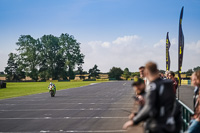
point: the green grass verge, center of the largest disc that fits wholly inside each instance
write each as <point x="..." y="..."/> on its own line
<point x="27" y="88"/>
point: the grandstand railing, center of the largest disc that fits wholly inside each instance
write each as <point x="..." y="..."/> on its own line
<point x="186" y="115"/>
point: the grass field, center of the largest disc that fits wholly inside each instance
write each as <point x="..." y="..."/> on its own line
<point x="17" y="89"/>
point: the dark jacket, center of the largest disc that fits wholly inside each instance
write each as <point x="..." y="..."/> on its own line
<point x="140" y="106"/>
<point x="159" y="108"/>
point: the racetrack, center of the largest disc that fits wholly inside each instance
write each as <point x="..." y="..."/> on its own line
<point x="102" y="107"/>
<point x="186" y="93"/>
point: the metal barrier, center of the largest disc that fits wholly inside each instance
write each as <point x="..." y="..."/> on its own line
<point x="186" y="115"/>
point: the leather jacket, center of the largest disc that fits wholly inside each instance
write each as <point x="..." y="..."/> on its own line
<point x="159" y="107"/>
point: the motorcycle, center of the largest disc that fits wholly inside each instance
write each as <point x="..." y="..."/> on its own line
<point x="52" y="90"/>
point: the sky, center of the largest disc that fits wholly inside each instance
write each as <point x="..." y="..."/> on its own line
<point x="120" y="33"/>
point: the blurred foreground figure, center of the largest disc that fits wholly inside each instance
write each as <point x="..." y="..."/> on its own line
<point x="139" y="89"/>
<point x="160" y="105"/>
<point x="195" y="122"/>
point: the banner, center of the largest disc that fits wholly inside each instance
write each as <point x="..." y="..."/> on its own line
<point x="180" y="46"/>
<point x="167" y="53"/>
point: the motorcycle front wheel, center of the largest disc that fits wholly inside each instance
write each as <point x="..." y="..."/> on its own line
<point x="52" y="94"/>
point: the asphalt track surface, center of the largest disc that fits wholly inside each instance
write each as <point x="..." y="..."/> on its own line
<point x="97" y="108"/>
<point x="186" y="93"/>
<point x="102" y="107"/>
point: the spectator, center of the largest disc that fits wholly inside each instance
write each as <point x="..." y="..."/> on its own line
<point x="141" y="70"/>
<point x="166" y="75"/>
<point x="158" y="111"/>
<point x="175" y="83"/>
<point x="139" y="89"/>
<point x="142" y="75"/>
<point x="195" y="125"/>
<point x="194" y="82"/>
<point x="161" y="75"/>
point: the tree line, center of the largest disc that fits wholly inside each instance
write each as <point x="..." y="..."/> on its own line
<point x="45" y="57"/>
<point x="117" y="73"/>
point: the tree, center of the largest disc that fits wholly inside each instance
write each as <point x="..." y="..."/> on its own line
<point x="196" y="68"/>
<point x="94" y="72"/>
<point x="29" y="55"/>
<point x="189" y="72"/>
<point x="80" y="72"/>
<point x="135" y="74"/>
<point x="115" y="73"/>
<point x="59" y="56"/>
<point x="1" y="73"/>
<point x="49" y="56"/>
<point x="126" y="73"/>
<point x="13" y="70"/>
<point x="71" y="53"/>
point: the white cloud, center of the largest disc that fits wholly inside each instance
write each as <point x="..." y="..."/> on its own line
<point x="129" y="51"/>
<point x="105" y="44"/>
<point x="174" y="41"/>
<point x="122" y="52"/>
<point x="162" y="43"/>
<point x="195" y="46"/>
<point x="127" y="40"/>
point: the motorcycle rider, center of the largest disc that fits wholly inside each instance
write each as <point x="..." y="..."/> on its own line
<point x="52" y="85"/>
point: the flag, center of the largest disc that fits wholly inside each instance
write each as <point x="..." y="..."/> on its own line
<point x="180" y="46"/>
<point x="167" y="53"/>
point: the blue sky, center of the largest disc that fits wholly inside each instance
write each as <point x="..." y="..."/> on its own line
<point x="121" y="33"/>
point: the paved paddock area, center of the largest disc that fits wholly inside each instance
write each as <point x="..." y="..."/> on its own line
<point x="102" y="108"/>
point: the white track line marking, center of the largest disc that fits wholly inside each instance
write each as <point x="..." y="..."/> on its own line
<point x="94" y="83"/>
<point x="111" y="99"/>
<point x="103" y="131"/>
<point x="91" y="131"/>
<point x="61" y="118"/>
<point x="66" y="103"/>
<point x="106" y="109"/>
<point x="76" y="131"/>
